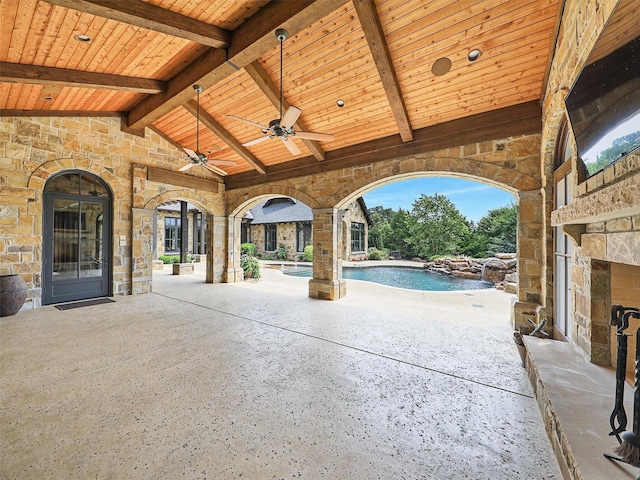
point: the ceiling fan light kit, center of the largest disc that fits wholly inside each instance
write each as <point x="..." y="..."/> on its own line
<point x="282" y="127"/>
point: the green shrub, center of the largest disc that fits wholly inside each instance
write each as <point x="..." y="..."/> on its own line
<point x="308" y="253"/>
<point x="169" y="259"/>
<point x="376" y="254"/>
<point x="250" y="265"/>
<point x="281" y="254"/>
<point x="248" y="249"/>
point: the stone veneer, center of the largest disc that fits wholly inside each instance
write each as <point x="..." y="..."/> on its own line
<point x="33" y="149"/>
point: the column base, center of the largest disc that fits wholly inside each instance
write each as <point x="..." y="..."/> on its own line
<point x="232" y="275"/>
<point x="327" y="289"/>
<point x="521" y="312"/>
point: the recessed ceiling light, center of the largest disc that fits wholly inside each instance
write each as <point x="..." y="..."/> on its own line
<point x="441" y="66"/>
<point x="82" y="38"/>
<point x="474" y="55"/>
<point x="340" y="103"/>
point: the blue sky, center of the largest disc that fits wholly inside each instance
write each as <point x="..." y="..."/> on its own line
<point x="472" y="199"/>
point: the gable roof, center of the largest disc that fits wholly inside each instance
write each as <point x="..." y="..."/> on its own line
<point x="281" y="210"/>
<point x="287" y="210"/>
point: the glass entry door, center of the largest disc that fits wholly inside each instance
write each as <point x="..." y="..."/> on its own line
<point x="76" y="249"/>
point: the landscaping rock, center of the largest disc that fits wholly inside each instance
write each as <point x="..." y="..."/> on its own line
<point x="494" y="270"/>
<point x="466" y="274"/>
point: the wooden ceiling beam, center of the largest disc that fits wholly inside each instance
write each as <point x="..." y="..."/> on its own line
<point x="374" y="34"/>
<point x="264" y="83"/>
<point x="152" y="17"/>
<point x="208" y="121"/>
<point x="62" y="77"/>
<point x="522" y="119"/>
<point x="61" y="113"/>
<point x="252" y="39"/>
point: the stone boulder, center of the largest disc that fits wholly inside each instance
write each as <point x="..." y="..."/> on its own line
<point x="494" y="270"/>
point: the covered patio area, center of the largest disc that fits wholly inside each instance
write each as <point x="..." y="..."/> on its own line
<point x="257" y="380"/>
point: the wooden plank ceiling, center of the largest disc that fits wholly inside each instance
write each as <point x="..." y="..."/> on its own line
<point x="378" y="57"/>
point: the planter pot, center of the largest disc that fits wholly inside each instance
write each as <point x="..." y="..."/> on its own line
<point x="13" y="293"/>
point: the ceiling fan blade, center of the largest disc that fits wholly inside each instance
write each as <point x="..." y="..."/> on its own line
<point x="255" y="124"/>
<point x="186" y="167"/>
<point x="321" y="137"/>
<point x="219" y="171"/>
<point x="191" y="153"/>
<point x="222" y="162"/>
<point x="257" y="140"/>
<point x="290" y="117"/>
<point x="291" y="146"/>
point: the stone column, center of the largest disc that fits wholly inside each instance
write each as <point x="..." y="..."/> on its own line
<point x="216" y="248"/>
<point x="233" y="271"/>
<point x="532" y="259"/>
<point x="141" y="250"/>
<point x="592" y="304"/>
<point x="326" y="283"/>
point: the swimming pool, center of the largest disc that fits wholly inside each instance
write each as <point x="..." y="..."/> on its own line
<point x="401" y="277"/>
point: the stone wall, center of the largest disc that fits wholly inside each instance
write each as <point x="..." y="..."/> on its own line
<point x="604" y="217"/>
<point x="34" y="148"/>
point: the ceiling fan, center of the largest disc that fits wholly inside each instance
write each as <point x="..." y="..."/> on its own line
<point x="282" y="127"/>
<point x="197" y="157"/>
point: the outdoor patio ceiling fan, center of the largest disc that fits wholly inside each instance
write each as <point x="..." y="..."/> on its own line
<point x="197" y="157"/>
<point x="282" y="127"/>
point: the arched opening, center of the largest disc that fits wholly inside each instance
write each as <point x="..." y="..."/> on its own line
<point x="77" y="250"/>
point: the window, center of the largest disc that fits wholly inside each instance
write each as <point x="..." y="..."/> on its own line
<point x="270" y="237"/>
<point x="199" y="234"/>
<point x="563" y="247"/>
<point x="357" y="237"/>
<point x="172" y="235"/>
<point x="303" y="235"/>
<point x="245" y="233"/>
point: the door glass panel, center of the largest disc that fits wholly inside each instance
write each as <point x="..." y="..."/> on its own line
<point x="65" y="239"/>
<point x="89" y="185"/>
<point x="91" y="240"/>
<point x="65" y="184"/>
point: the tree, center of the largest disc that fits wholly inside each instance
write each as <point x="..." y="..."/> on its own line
<point x="380" y="230"/>
<point x="438" y="228"/>
<point x="499" y="228"/>
<point x="400" y="236"/>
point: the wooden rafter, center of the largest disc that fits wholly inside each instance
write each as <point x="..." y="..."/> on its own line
<point x="262" y="80"/>
<point x="370" y="22"/>
<point x="209" y="122"/>
<point x="250" y="41"/>
<point x="152" y="17"/>
<point x="34" y="74"/>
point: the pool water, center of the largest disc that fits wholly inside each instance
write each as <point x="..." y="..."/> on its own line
<point x="411" y="278"/>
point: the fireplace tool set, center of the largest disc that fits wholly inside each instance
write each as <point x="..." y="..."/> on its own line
<point x="629" y="449"/>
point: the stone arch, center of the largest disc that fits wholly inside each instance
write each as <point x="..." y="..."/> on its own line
<point x="240" y="201"/>
<point x="41" y="174"/>
<point x="187" y="195"/>
<point x="347" y="197"/>
<point x="500" y="176"/>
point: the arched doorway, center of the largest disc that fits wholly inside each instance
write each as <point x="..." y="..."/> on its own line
<point x="76" y="252"/>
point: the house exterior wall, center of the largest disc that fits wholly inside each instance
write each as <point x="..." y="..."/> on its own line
<point x="32" y="149"/>
<point x="604" y="216"/>
<point x="287" y="232"/>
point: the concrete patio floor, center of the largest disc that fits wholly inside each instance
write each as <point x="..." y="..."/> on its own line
<point x="258" y="381"/>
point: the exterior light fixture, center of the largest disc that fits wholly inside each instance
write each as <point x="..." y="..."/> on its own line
<point x="82" y="38"/>
<point x="340" y="103"/>
<point x="474" y="55"/>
